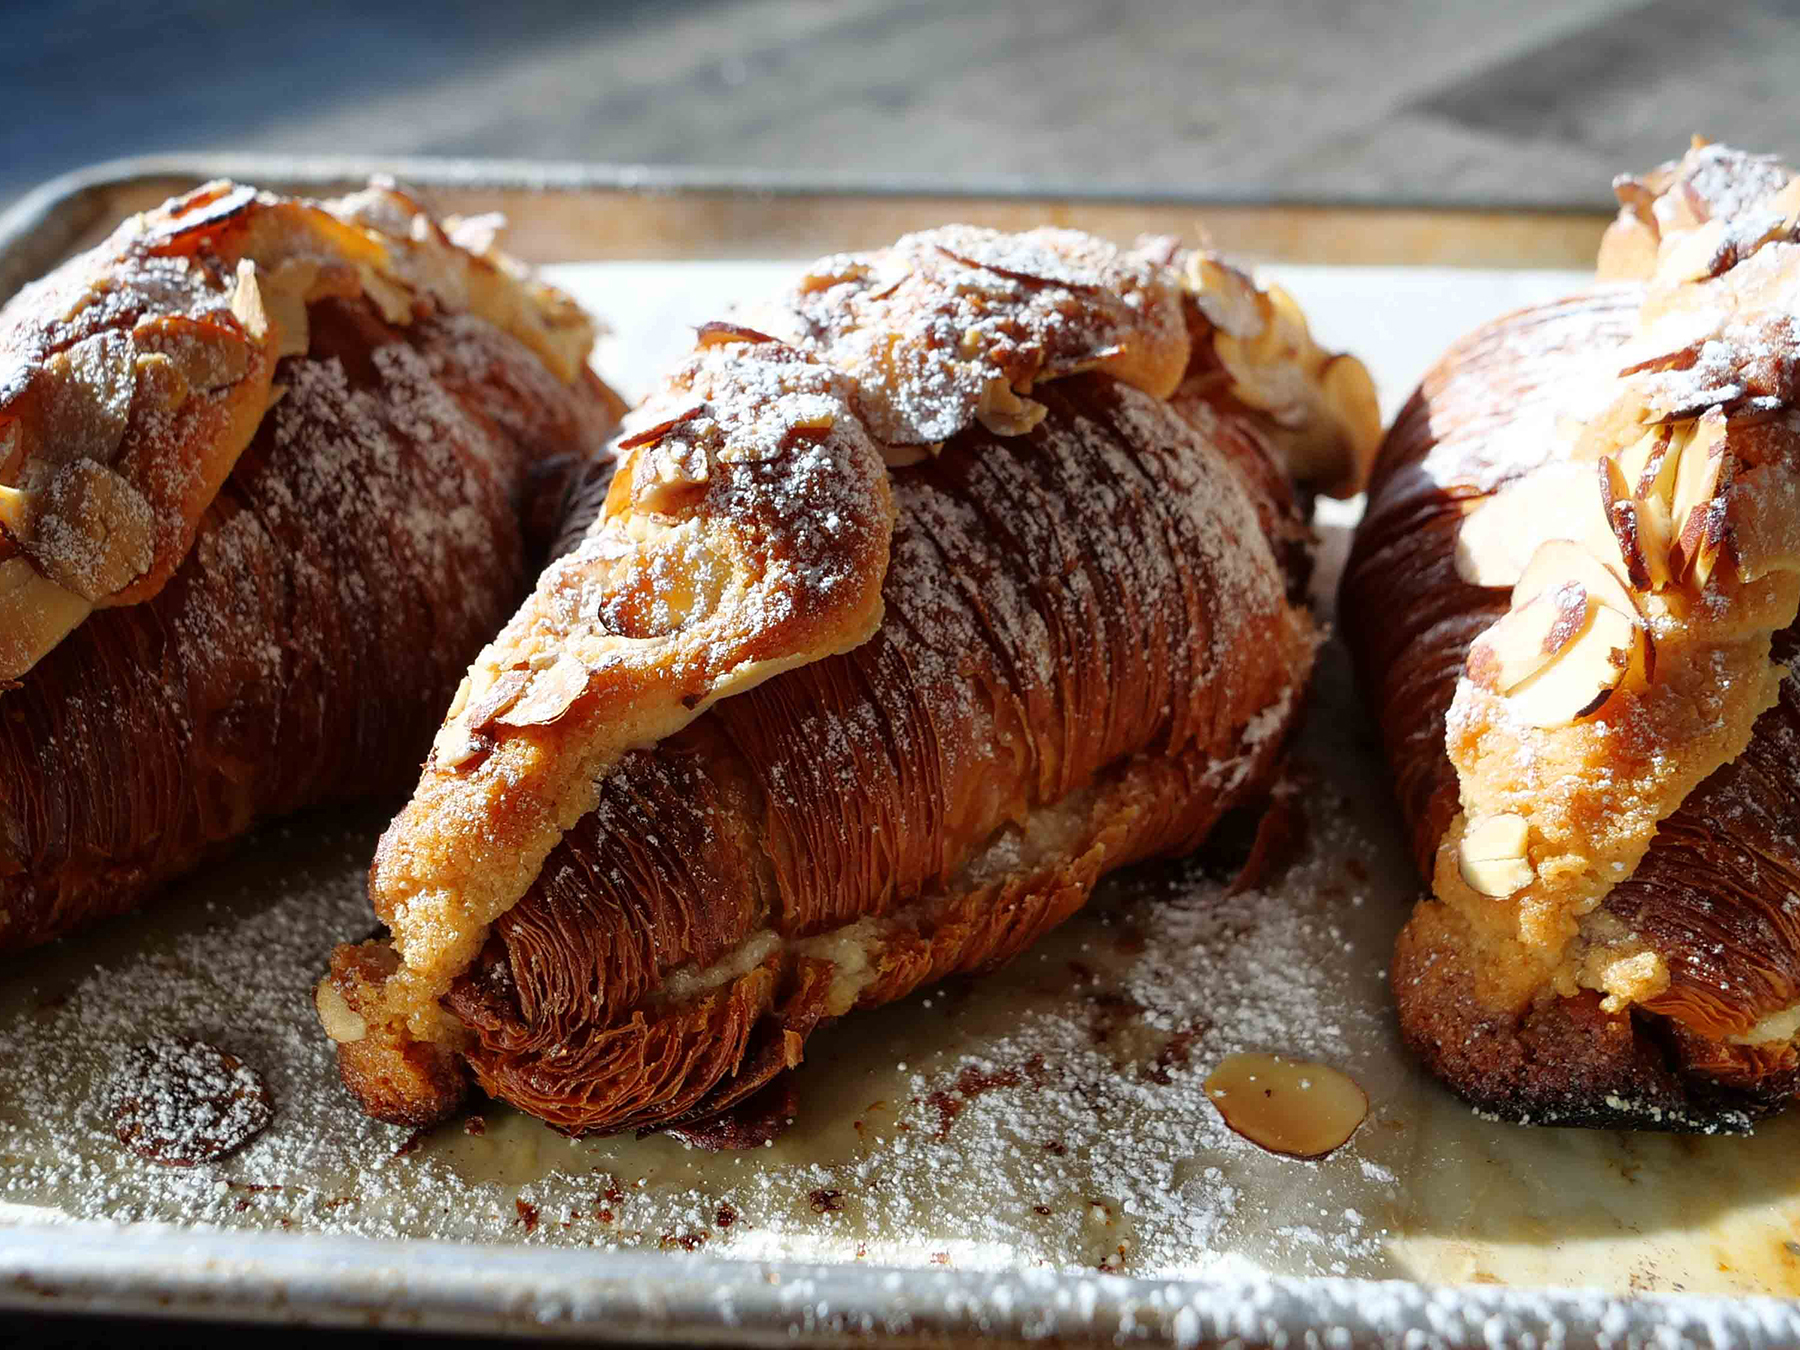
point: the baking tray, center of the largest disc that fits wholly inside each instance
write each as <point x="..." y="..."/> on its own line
<point x="1025" y="1158"/>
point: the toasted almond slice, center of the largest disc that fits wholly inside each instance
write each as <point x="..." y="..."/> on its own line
<point x="550" y="694"/>
<point x="15" y="510"/>
<point x="1622" y="512"/>
<point x="1701" y="481"/>
<point x="1492" y="855"/>
<point x="1690" y="254"/>
<point x="1628" y="526"/>
<point x="1657" y="481"/>
<point x="1583" y="677"/>
<point x="1559" y="501"/>
<point x="210" y="356"/>
<point x="1529" y="638"/>
<point x="342" y="1023"/>
<point x="1657" y="535"/>
<point x="1558" y="561"/>
<point x="86" y="399"/>
<point x="35" y="615"/>
<point x="1704" y="544"/>
<point x="456" y="744"/>
<point x="1640" y="461"/>
<point x="247" y="302"/>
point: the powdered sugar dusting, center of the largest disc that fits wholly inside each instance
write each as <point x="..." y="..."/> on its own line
<point x="947" y="326"/>
<point x="1050" y="1114"/>
<point x="1424" y="1191"/>
<point x="181" y="1102"/>
<point x="1075" y="1074"/>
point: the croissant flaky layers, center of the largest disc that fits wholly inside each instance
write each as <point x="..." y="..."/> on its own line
<point x="1572" y="601"/>
<point x="917" y="600"/>
<point x="264" y="465"/>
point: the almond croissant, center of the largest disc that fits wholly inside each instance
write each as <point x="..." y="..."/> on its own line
<point x="264" y="465"/>
<point x="918" y="601"/>
<point x="1572" y="602"/>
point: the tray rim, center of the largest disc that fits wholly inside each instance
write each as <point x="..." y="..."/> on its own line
<point x="37" y="228"/>
<point x="310" y="1278"/>
<point x="639" y="1297"/>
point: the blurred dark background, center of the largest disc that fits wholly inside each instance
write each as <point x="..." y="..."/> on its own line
<point x="1459" y="100"/>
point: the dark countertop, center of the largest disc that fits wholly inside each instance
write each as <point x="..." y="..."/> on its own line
<point x="1536" y="100"/>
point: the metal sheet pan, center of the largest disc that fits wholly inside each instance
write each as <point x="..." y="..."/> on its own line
<point x="1443" y="1204"/>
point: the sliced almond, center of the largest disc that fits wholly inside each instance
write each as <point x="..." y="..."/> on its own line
<point x="1657" y="535"/>
<point x="1529" y="638"/>
<point x="1560" y="501"/>
<point x="1493" y="856"/>
<point x="342" y="1023"/>
<point x="1628" y="526"/>
<point x="715" y="333"/>
<point x="1657" y="482"/>
<point x="1702" y="553"/>
<point x="1585" y="675"/>
<point x="87" y="399"/>
<point x="456" y="744"/>
<point x="497" y="692"/>
<point x="15" y="511"/>
<point x="1690" y="255"/>
<point x="1622" y="512"/>
<point x="551" y="693"/>
<point x="1701" y="481"/>
<point x="1559" y="561"/>
<point x="35" y="615"/>
<point x="209" y="356"/>
<point x="247" y="302"/>
<point x="1638" y="461"/>
<point x="107" y="534"/>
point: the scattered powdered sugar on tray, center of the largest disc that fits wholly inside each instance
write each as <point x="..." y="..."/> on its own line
<point x="1051" y="1114"/>
<point x="182" y="1102"/>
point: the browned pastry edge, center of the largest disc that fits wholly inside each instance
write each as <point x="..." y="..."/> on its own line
<point x="415" y="1084"/>
<point x="1562" y="1061"/>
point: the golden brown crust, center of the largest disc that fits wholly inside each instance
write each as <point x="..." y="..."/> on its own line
<point x="1631" y="957"/>
<point x="364" y="543"/>
<point x="738" y="835"/>
<point x="746" y="532"/>
<point x="133" y="378"/>
<point x="412" y="1083"/>
<point x="1565" y="1061"/>
<point x="1088" y="651"/>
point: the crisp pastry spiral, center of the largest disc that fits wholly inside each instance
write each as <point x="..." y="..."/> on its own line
<point x="1572" y="602"/>
<point x="265" y="466"/>
<point x="918" y="600"/>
